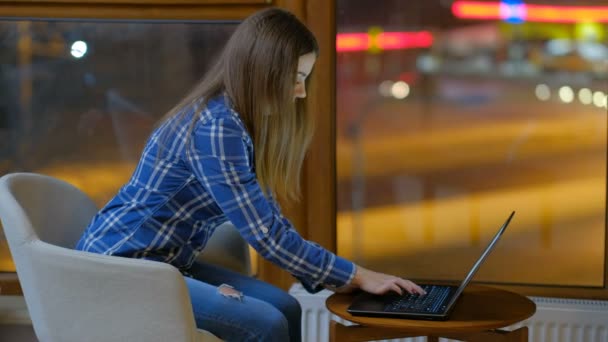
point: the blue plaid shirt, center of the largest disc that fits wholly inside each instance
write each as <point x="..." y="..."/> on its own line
<point x="176" y="198"/>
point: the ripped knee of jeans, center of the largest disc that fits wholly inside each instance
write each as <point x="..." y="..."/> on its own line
<point x="230" y="292"/>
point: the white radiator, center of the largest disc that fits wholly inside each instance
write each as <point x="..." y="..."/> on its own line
<point x="555" y="320"/>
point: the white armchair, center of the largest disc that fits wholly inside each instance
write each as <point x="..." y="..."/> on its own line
<point x="78" y="296"/>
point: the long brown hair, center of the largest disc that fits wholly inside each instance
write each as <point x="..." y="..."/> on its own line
<point x="257" y="70"/>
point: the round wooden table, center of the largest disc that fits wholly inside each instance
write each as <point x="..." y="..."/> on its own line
<point x="477" y="316"/>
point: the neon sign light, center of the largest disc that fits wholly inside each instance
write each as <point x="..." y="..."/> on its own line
<point x="517" y="11"/>
<point x="383" y="41"/>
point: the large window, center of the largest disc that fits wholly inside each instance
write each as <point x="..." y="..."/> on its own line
<point x="78" y="99"/>
<point x="451" y="114"/>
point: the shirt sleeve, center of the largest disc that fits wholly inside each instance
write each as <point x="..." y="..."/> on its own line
<point x="310" y="286"/>
<point x="219" y="159"/>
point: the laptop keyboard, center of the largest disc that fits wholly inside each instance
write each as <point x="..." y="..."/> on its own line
<point x="429" y="303"/>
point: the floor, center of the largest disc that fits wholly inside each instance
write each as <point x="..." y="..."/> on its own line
<point x="17" y="333"/>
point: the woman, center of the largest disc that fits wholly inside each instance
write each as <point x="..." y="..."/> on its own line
<point x="225" y="152"/>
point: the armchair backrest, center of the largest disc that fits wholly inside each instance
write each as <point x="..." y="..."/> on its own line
<point x="35" y="206"/>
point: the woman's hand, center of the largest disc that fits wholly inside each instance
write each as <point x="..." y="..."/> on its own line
<point x="380" y="283"/>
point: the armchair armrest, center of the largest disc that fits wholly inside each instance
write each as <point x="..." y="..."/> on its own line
<point x="139" y="299"/>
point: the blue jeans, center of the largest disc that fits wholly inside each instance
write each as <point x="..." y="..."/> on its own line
<point x="264" y="313"/>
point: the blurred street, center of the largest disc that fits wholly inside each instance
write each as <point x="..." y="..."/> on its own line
<point x="424" y="187"/>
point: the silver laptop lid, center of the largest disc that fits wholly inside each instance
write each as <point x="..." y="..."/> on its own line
<point x="483" y="256"/>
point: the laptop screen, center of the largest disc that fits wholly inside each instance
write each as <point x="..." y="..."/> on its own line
<point x="483" y="256"/>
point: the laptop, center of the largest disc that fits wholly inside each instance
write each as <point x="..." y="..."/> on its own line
<point x="437" y="304"/>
